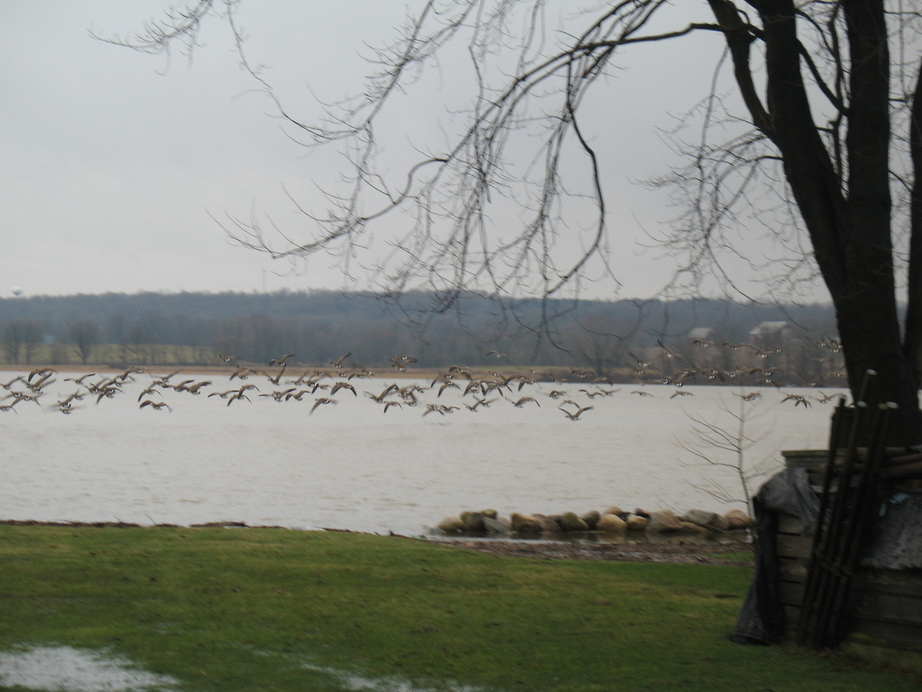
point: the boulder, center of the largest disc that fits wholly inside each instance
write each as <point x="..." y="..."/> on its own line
<point x="663" y="521"/>
<point x="473" y="521"/>
<point x="611" y="523"/>
<point x="591" y="518"/>
<point x="737" y="519"/>
<point x="548" y="524"/>
<point x="525" y="523"/>
<point x="451" y="525"/>
<point x="710" y="520"/>
<point x="690" y="528"/>
<point x="570" y="521"/>
<point x="642" y="512"/>
<point x="635" y="522"/>
<point x="615" y="510"/>
<point x="496" y="526"/>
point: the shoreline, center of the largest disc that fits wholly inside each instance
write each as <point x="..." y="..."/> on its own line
<point x="676" y="550"/>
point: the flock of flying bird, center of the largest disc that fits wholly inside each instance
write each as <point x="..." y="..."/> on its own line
<point x="320" y="387"/>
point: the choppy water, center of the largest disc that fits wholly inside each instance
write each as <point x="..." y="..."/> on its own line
<point x="349" y="465"/>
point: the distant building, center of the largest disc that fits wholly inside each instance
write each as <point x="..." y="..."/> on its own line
<point x="704" y="334"/>
<point x="771" y="334"/>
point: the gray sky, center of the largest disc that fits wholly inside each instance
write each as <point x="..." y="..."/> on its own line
<point x="114" y="162"/>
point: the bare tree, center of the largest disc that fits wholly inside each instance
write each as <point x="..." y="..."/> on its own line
<point x="822" y="152"/>
<point x="602" y="342"/>
<point x="85" y="335"/>
<point x="724" y="444"/>
<point x="20" y="338"/>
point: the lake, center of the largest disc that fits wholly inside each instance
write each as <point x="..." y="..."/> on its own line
<point x="349" y="464"/>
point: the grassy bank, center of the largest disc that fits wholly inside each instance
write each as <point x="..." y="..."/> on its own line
<point x="270" y="609"/>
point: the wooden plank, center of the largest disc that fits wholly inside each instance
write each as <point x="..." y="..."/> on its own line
<point x="895" y="634"/>
<point x="790" y="593"/>
<point x="888" y="607"/>
<point x="884" y="653"/>
<point x="906" y="582"/>
<point x="791" y="616"/>
<point x="790" y="524"/>
<point x="793" y="546"/>
<point x="792" y="570"/>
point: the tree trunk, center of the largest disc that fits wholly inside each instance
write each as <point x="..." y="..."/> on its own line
<point x="870" y="337"/>
<point x="846" y="212"/>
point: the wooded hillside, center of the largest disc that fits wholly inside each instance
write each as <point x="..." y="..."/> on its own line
<point x="321" y="326"/>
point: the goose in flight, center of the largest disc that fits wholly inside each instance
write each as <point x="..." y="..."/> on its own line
<point x="238" y="395"/>
<point x="282" y="394"/>
<point x="380" y="397"/>
<point x="40" y="373"/>
<point x="76" y="396"/>
<point x="480" y="402"/>
<point x="75" y="380"/>
<point x="401" y="362"/>
<point x="797" y="399"/>
<point x="473" y="385"/>
<point x="321" y="402"/>
<point x="241" y="373"/>
<point x="165" y="380"/>
<point x="574" y="415"/>
<point x="342" y="385"/>
<point x="121" y="377"/>
<point x="195" y="387"/>
<point x="524" y="400"/>
<point x="66" y="405"/>
<point x="278" y="378"/>
<point x="338" y="363"/>
<point x="156" y="405"/>
<point x="281" y="360"/>
<point x="7" y="385"/>
<point x="441" y="409"/>
<point x="592" y="394"/>
<point x="446" y="385"/>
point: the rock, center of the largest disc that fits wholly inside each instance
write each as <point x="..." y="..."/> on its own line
<point x="525" y="523"/>
<point x="663" y="521"/>
<point x="473" y="521"/>
<point x="492" y="513"/>
<point x="548" y="524"/>
<point x="720" y="523"/>
<point x="642" y="512"/>
<point x="591" y="518"/>
<point x="611" y="523"/>
<point x="635" y="522"/>
<point x="710" y="520"/>
<point x="737" y="519"/>
<point x="690" y="528"/>
<point x="569" y="521"/>
<point x="451" y="525"/>
<point x="615" y="510"/>
<point x="497" y="526"/>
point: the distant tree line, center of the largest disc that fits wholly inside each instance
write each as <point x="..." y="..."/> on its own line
<point x="605" y="337"/>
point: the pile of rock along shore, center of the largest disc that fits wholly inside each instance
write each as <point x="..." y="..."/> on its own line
<point x="612" y="521"/>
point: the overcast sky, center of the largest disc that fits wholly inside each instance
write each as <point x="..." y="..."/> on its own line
<point x="114" y="162"/>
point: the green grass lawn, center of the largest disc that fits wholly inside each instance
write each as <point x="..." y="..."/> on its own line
<point x="271" y="609"/>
